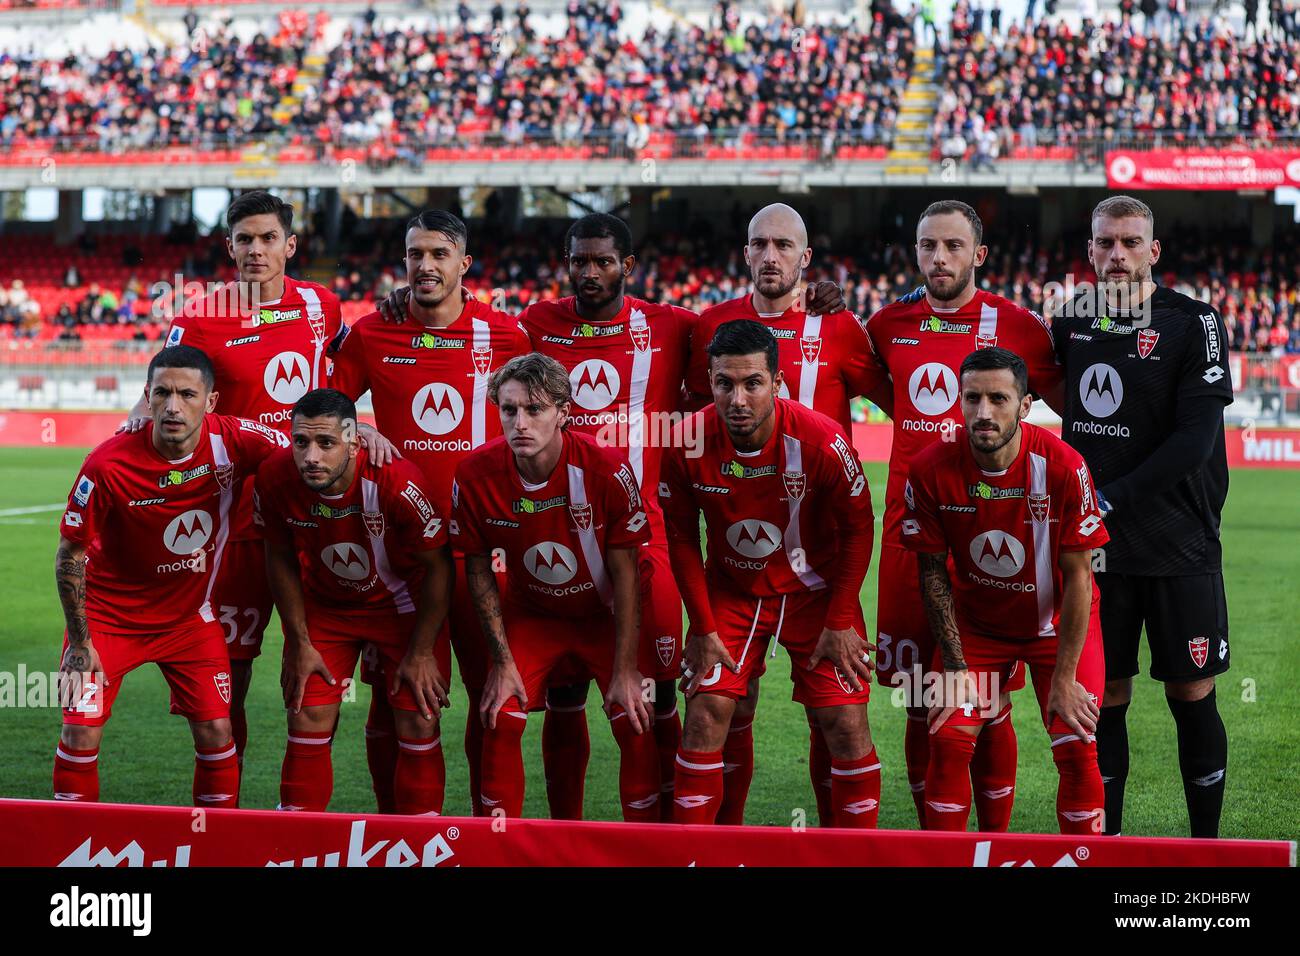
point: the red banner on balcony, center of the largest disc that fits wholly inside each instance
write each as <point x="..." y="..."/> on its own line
<point x="1202" y="169"/>
<point x="46" y="833"/>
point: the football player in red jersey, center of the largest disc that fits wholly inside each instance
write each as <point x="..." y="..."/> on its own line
<point x="266" y="335"/>
<point x="825" y="361"/>
<point x="428" y="375"/>
<point x="566" y="516"/>
<point x="921" y="340"/>
<point x="359" y="556"/>
<point x="141" y="546"/>
<point x="1015" y="508"/>
<point x="787" y="514"/>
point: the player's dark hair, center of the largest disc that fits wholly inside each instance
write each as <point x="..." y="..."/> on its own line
<point x="745" y="337"/>
<point x="990" y="360"/>
<point x="259" y="202"/>
<point x="600" y="225"/>
<point x="945" y="206"/>
<point x="436" y="220"/>
<point x="543" y="376"/>
<point x="183" y="356"/>
<point x="325" y="403"/>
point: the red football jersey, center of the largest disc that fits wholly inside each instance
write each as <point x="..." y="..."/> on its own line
<point x="429" y="386"/>
<point x="826" y="359"/>
<point x="265" y="360"/>
<point x="1005" y="531"/>
<point x="626" y="374"/>
<point x="354" y="549"/>
<point x="155" y="530"/>
<point x="554" y="537"/>
<point x="794" y="516"/>
<point x="922" y="349"/>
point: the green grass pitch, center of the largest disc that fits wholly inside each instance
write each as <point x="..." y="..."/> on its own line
<point x="147" y="755"/>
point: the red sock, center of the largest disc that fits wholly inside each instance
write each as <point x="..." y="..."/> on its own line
<point x="916" y="754"/>
<point x="307" y="776"/>
<point x="216" y="776"/>
<point x="819" y="772"/>
<point x="993" y="773"/>
<point x="566" y="748"/>
<point x="697" y="786"/>
<point x="855" y="791"/>
<point x="668" y="737"/>
<point x="503" y="763"/>
<point x="1080" y="797"/>
<point x="474" y="750"/>
<point x="737" y="772"/>
<point x="76" y="774"/>
<point x="947" y="785"/>
<point x="381" y="750"/>
<point x="638" y="771"/>
<point x="421" y="777"/>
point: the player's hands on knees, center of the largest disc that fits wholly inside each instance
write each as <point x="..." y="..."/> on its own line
<point x="702" y="653"/>
<point x="959" y="691"/>
<point x="133" y="424"/>
<point x="77" y="669"/>
<point x="823" y="298"/>
<point x="301" y="661"/>
<point x="848" y="652"/>
<point x="393" y="308"/>
<point x="628" y="691"/>
<point x="380" y="449"/>
<point x="428" y="686"/>
<point x="503" y="682"/>
<point x="1069" y="700"/>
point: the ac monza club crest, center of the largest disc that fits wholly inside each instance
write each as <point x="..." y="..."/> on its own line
<point x="482" y="360"/>
<point x="985" y="341"/>
<point x="1199" y="648"/>
<point x="1147" y="339"/>
<point x="665" y="647"/>
<point x="374" y="523"/>
<point x="1038" y="505"/>
<point x="222" y="680"/>
<point x="795" y="483"/>
<point x="317" y="322"/>
<point x="812" y="347"/>
<point x="640" y="336"/>
<point x="581" y="516"/>
<point x="225" y="475"/>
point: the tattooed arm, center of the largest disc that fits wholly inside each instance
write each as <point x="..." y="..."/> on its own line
<point x="80" y="661"/>
<point x="503" y="681"/>
<point x="936" y="594"/>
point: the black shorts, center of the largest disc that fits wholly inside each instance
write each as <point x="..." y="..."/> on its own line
<point x="1186" y="620"/>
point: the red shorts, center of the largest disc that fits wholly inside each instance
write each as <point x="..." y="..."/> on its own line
<point x="661" y="615"/>
<point x="747" y="624"/>
<point x="193" y="660"/>
<point x="582" y="648"/>
<point x="461" y="619"/>
<point x="241" y="598"/>
<point x="380" y="639"/>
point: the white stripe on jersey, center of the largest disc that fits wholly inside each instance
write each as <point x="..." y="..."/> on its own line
<point x="396" y="586"/>
<point x="225" y="498"/>
<point x="1042" y="532"/>
<point x="793" y="539"/>
<point x="812" y="329"/>
<point x="636" y="400"/>
<point x="988" y="319"/>
<point x="587" y="538"/>
<point x="316" y="319"/>
<point x="478" y="410"/>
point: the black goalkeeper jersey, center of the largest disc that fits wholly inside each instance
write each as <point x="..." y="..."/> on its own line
<point x="1126" y="380"/>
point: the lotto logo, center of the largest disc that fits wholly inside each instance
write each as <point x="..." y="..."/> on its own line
<point x="1089" y="524"/>
<point x="437" y="408"/>
<point x="1213" y="374"/>
<point x="911" y="526"/>
<point x="287" y="377"/>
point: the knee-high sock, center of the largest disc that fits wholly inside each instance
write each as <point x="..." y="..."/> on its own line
<point x="1080" y="798"/>
<point x="855" y="791"/>
<point x="697" y="786"/>
<point x="76" y="774"/>
<point x="421" y="777"/>
<point x="307" y="775"/>
<point x="638" y="771"/>
<point x="1112" y="761"/>
<point x="737" y="772"/>
<point x="503" y="764"/>
<point x="566" y="749"/>
<point x="993" y="773"/>
<point x="239" y="730"/>
<point x="668" y="737"/>
<point x="474" y="749"/>
<point x="947" y="784"/>
<point x="819" y="773"/>
<point x="1203" y="760"/>
<point x="916" y="754"/>
<point x="381" y="750"/>
<point x="216" y="776"/>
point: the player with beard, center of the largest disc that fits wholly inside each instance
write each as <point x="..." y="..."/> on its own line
<point x="1146" y="385"/>
<point x="921" y="340"/>
<point x="825" y="361"/>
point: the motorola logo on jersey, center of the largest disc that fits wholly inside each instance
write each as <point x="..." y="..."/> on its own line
<point x="287" y="377"/>
<point x="595" y="383"/>
<point x="437" y="408"/>
<point x="933" y="387"/>
<point x="1101" y="390"/>
<point x="754" y="538"/>
<point x="998" y="553"/>
<point x="188" y="533"/>
<point x="551" y="562"/>
<point x="347" y="560"/>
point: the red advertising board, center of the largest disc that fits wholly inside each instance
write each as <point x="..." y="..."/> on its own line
<point x="1202" y="169"/>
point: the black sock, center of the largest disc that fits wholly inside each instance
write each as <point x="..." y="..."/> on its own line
<point x="1112" y="761"/>
<point x="1203" y="759"/>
